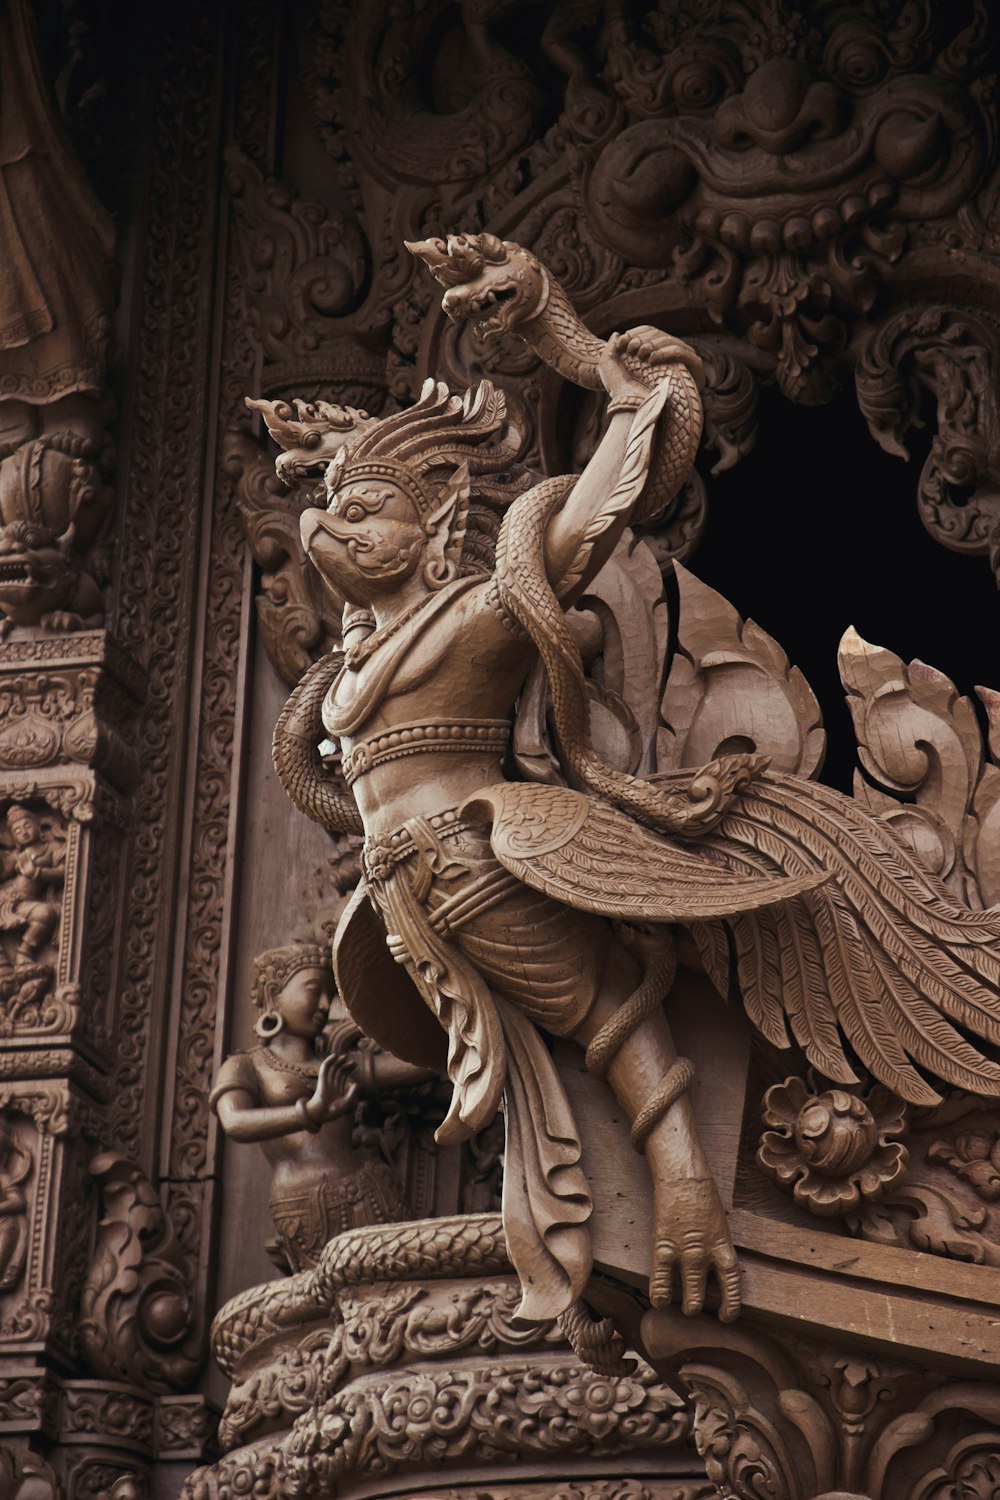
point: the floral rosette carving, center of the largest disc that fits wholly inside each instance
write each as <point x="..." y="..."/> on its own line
<point x="832" y="1148"/>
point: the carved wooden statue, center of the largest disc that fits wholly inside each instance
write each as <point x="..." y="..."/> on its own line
<point x="510" y="905"/>
<point x="299" y="1105"/>
<point x="56" y="305"/>
<point x="16" y="1165"/>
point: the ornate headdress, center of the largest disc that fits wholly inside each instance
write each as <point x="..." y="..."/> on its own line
<point x="447" y="454"/>
<point x="272" y="970"/>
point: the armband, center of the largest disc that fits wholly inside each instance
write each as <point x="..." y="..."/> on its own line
<point x="626" y="402"/>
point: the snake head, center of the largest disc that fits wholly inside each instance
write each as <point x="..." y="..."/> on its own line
<point x="492" y="282"/>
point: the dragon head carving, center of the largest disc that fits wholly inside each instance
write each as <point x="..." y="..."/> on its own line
<point x="497" y="284"/>
<point x="54" y="503"/>
<point x="311" y="433"/>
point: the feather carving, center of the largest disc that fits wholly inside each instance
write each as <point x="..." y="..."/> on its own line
<point x="838" y="932"/>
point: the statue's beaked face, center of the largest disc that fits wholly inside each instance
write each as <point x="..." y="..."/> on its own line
<point x="368" y="543"/>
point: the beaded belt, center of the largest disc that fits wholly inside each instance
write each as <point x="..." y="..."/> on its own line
<point x="479" y="736"/>
<point x="380" y="855"/>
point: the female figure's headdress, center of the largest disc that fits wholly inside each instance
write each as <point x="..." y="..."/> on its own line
<point x="272" y="970"/>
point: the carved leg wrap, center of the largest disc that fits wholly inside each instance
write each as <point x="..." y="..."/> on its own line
<point x="640" y="1005"/>
<point x="670" y="1090"/>
<point x="595" y="1341"/>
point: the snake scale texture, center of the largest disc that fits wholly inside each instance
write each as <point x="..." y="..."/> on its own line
<point x="295" y="751"/>
<point x="683" y="802"/>
<point x="425" y="1250"/>
<point x="558" y="337"/>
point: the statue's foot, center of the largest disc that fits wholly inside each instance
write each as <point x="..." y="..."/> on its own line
<point x="691" y="1238"/>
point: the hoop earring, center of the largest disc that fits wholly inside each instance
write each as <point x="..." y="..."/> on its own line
<point x="268" y="1025"/>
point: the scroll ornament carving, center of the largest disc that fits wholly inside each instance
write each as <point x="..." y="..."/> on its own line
<point x="299" y="619"/>
<point x="185" y="1427"/>
<point x="304" y="270"/>
<point x="495" y="1412"/>
<point x="722" y="666"/>
<point x="403" y="1348"/>
<point x="929" y="775"/>
<point x="107" y="1413"/>
<point x="951" y="354"/>
<point x="432" y="1249"/>
<point x="946" y="1203"/>
<point x="379" y="1330"/>
<point x="136" y="1310"/>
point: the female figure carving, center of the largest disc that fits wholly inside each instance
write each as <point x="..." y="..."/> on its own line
<point x="298" y="1105"/>
<point x="512" y="905"/>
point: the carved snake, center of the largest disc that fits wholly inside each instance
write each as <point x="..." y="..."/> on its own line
<point x="503" y="288"/>
<point x="425" y="1250"/>
<point x="295" y="750"/>
<point x="682" y="802"/>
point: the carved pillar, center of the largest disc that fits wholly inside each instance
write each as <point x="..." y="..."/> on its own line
<point x="399" y="1360"/>
<point x="99" y="1301"/>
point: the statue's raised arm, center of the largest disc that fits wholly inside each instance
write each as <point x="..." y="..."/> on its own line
<point x="652" y="380"/>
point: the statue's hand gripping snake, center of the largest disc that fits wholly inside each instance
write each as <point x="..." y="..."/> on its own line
<point x="503" y="289"/>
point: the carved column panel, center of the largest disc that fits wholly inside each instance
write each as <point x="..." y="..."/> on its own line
<point x="798" y="1420"/>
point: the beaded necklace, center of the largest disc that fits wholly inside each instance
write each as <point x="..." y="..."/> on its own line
<point x="355" y="656"/>
<point x="281" y="1065"/>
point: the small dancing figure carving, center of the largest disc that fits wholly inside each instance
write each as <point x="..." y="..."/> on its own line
<point x="34" y="869"/>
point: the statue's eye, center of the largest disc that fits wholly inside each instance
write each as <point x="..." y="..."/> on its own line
<point x="355" y="512"/>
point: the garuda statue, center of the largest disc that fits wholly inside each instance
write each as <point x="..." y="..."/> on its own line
<point x="512" y="906"/>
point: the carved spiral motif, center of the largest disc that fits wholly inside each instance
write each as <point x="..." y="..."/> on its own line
<point x="835" y="1133"/>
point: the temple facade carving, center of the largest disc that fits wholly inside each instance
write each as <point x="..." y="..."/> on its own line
<point x="496" y="1001"/>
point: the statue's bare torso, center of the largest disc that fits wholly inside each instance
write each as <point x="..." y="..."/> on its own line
<point x="468" y="661"/>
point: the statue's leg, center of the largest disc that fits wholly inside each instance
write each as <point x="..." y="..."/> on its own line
<point x="572" y="974"/>
<point x="41" y="920"/>
<point x="629" y="1042"/>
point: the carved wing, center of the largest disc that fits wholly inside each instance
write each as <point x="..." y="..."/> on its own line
<point x="881" y="954"/>
<point x="584" y="852"/>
